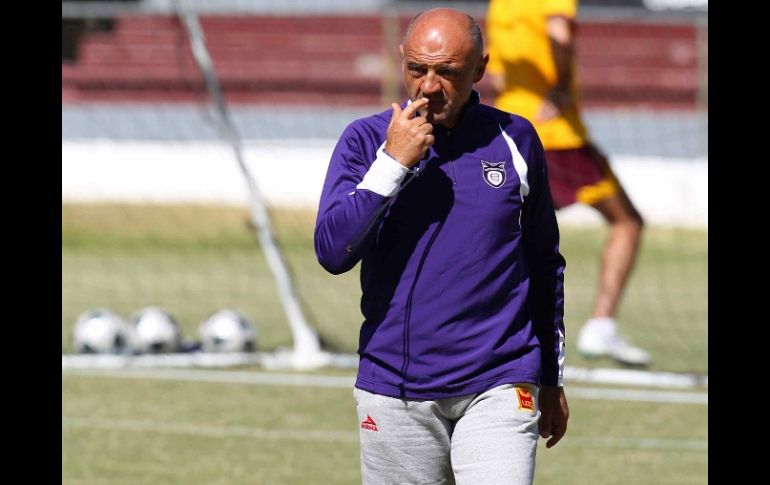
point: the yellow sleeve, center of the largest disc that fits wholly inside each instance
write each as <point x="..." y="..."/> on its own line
<point x="568" y="8"/>
<point x="494" y="21"/>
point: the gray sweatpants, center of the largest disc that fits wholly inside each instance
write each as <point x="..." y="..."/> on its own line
<point x="488" y="438"/>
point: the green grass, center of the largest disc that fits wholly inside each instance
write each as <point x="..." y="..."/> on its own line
<point x="193" y="260"/>
<point x="665" y="305"/>
<point x="148" y="432"/>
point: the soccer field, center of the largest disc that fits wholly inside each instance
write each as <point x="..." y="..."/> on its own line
<point x="147" y="431"/>
<point x="190" y="430"/>
<point x="193" y="260"/>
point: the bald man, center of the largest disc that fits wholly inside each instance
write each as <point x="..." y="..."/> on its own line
<point x="445" y="203"/>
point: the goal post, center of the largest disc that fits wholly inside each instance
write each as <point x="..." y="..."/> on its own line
<point x="307" y="347"/>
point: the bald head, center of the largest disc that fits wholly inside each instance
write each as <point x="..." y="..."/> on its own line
<point x="445" y="22"/>
<point x="442" y="59"/>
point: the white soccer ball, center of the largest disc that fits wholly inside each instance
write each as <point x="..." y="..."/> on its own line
<point x="228" y="331"/>
<point x="156" y="331"/>
<point x="101" y="332"/>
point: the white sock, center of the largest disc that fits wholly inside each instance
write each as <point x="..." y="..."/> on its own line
<point x="604" y="325"/>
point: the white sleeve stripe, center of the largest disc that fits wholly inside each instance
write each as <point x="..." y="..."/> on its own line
<point x="561" y="359"/>
<point x="518" y="163"/>
<point x="384" y="176"/>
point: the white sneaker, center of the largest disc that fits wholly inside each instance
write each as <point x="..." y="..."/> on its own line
<point x="599" y="338"/>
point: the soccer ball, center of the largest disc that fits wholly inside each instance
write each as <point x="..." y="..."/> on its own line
<point x="101" y="332"/>
<point x="156" y="331"/>
<point x="228" y="331"/>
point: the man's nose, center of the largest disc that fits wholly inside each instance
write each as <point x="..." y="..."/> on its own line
<point x="430" y="84"/>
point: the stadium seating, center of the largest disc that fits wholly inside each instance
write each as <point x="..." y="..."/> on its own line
<point x="342" y="60"/>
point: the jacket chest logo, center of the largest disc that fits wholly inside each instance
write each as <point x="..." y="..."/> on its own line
<point x="494" y="173"/>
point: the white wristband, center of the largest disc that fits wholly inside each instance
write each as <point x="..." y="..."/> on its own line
<point x="384" y="176"/>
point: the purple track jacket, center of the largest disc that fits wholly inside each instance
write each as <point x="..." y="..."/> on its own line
<point x="461" y="275"/>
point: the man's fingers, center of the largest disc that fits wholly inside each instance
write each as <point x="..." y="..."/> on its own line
<point x="410" y="110"/>
<point x="545" y="426"/>
<point x="425" y="127"/>
<point x="409" y="136"/>
<point x="552" y="442"/>
<point x="557" y="436"/>
<point x="396" y="112"/>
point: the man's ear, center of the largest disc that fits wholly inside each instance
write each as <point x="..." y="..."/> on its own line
<point x="481" y="68"/>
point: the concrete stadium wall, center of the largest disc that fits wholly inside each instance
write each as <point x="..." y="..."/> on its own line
<point x="291" y="173"/>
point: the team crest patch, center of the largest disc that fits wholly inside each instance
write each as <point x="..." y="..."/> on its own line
<point x="525" y="399"/>
<point x="494" y="173"/>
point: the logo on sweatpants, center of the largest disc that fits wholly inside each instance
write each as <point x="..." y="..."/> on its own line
<point x="525" y="399"/>
<point x="369" y="424"/>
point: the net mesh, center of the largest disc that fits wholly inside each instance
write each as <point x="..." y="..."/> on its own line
<point x="155" y="211"/>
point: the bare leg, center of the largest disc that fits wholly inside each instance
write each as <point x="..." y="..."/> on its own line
<point x="599" y="336"/>
<point x="619" y="252"/>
